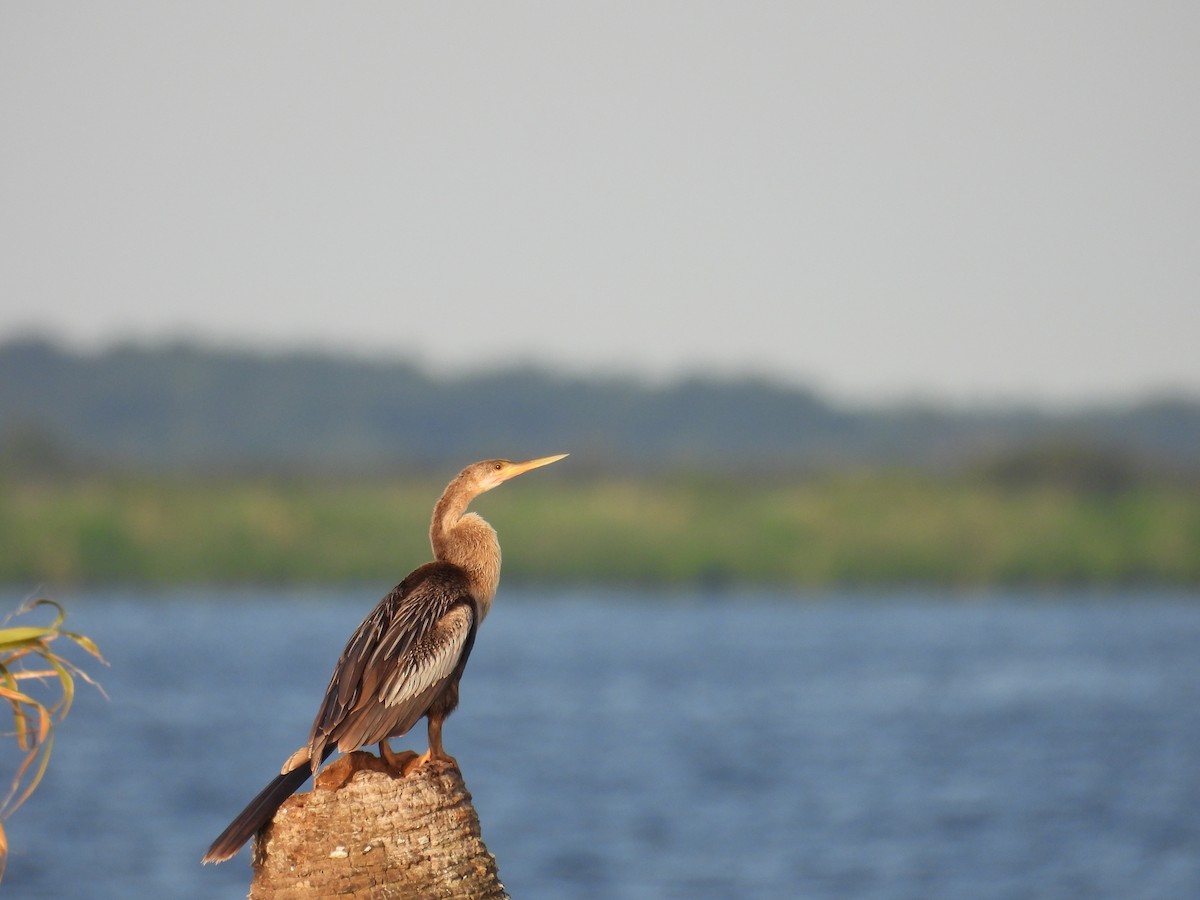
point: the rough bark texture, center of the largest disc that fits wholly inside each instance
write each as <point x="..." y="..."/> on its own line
<point x="367" y="831"/>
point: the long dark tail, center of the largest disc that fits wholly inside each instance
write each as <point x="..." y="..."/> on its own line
<point x="258" y="812"/>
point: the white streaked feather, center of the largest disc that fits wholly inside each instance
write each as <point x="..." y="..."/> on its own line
<point x="431" y="661"/>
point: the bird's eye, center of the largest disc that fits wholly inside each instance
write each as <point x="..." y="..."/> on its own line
<point x="497" y="466"/>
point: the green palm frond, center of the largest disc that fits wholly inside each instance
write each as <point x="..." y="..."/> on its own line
<point x="29" y="668"/>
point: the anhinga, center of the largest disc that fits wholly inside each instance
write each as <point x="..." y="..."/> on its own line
<point x="404" y="661"/>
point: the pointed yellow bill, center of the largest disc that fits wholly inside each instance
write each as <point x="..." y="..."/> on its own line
<point x="512" y="470"/>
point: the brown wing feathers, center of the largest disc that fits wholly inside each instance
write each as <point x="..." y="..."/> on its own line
<point x="397" y="662"/>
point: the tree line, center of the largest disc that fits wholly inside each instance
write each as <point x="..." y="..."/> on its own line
<point x="187" y="407"/>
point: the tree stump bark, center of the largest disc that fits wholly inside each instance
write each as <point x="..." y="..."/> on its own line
<point x="367" y="831"/>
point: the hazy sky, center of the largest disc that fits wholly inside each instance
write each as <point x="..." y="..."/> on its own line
<point x="966" y="200"/>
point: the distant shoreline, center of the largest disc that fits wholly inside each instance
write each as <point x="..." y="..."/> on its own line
<point x="851" y="530"/>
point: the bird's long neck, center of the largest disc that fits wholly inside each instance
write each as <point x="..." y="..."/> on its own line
<point x="467" y="541"/>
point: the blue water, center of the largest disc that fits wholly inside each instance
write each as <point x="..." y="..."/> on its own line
<point x="632" y="746"/>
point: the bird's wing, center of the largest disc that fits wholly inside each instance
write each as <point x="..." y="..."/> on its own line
<point x="397" y="661"/>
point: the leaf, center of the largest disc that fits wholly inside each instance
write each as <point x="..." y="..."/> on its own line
<point x="86" y="643"/>
<point x="10" y="694"/>
<point x="43" y="754"/>
<point x="68" y="687"/>
<point x="60" y="613"/>
<point x="24" y="635"/>
<point x="21" y="649"/>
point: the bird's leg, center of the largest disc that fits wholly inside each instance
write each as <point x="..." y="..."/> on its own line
<point x="435" y="751"/>
<point x="397" y="761"/>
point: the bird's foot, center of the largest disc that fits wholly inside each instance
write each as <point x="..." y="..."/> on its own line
<point x="398" y="761"/>
<point x="415" y="763"/>
<point x="428" y="756"/>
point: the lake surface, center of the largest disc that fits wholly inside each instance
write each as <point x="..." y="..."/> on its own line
<point x="636" y="746"/>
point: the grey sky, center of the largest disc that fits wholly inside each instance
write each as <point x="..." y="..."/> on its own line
<point x="951" y="199"/>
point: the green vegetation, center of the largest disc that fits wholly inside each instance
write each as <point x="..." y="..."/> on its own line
<point x="27" y="663"/>
<point x="847" y="528"/>
<point x="921" y="495"/>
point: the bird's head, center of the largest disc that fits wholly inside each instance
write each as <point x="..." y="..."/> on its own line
<point x="489" y="473"/>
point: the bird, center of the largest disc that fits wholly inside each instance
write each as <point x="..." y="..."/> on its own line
<point x="405" y="660"/>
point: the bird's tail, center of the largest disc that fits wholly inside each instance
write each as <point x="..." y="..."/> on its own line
<point x="259" y="812"/>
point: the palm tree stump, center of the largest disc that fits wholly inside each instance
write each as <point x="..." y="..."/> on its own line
<point x="367" y="831"/>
